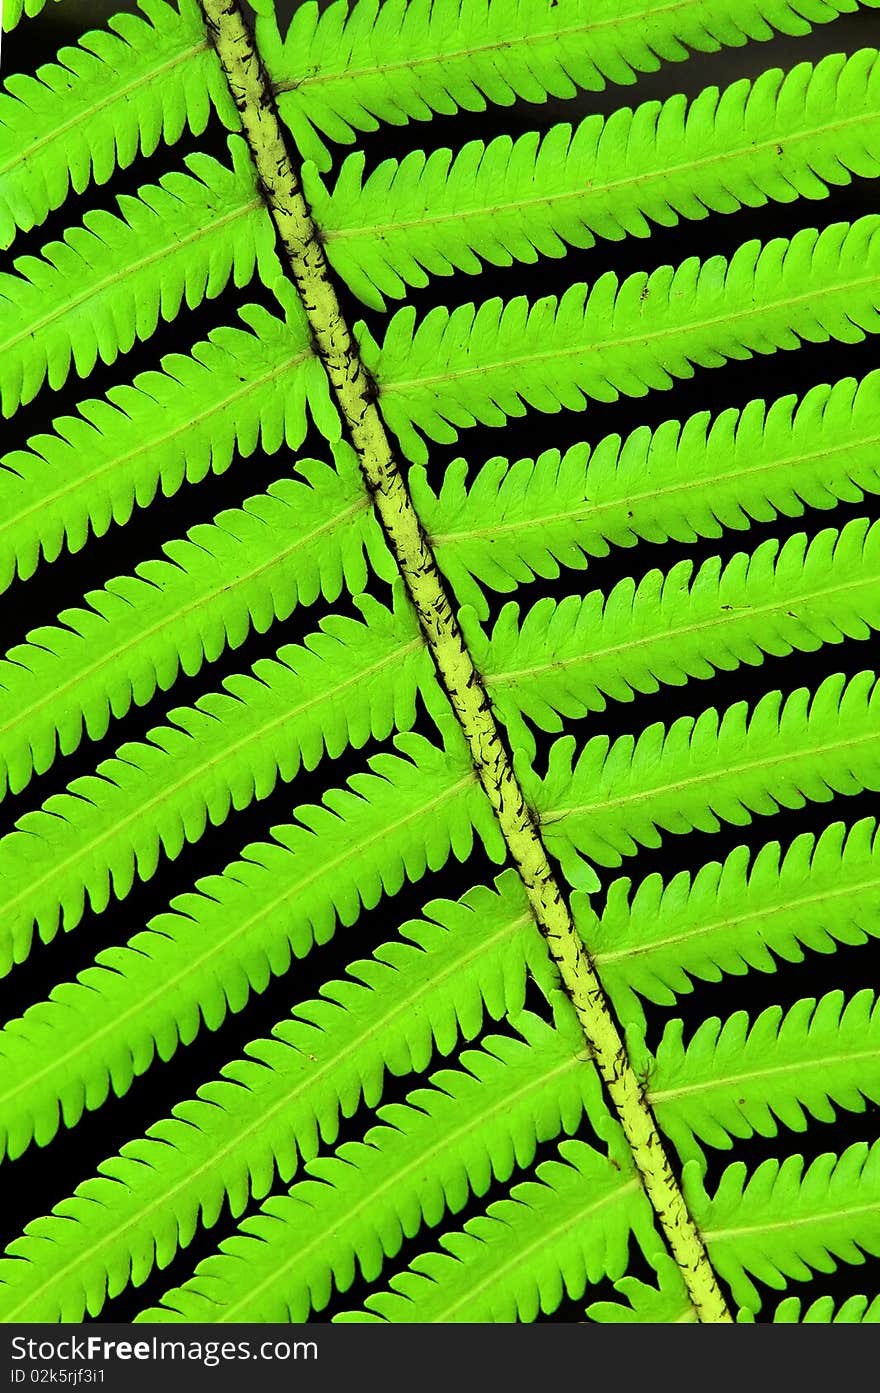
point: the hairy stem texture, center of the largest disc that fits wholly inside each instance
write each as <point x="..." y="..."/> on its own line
<point x="356" y="396"/>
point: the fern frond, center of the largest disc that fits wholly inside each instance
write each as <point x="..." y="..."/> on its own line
<point x="116" y="93"/>
<point x="569" y="1227"/>
<point x="218" y="944"/>
<point x="108" y="282"/>
<point x="854" y="1311"/>
<point x="278" y="1111"/>
<point x="350" y="682"/>
<point x="239" y="388"/>
<point x="339" y="71"/>
<point x="705" y="770"/>
<point x="448" y="1141"/>
<point x="250" y="566"/>
<point x="734" y="917"/>
<point x="483" y="364"/>
<point x="784" y="1222"/>
<point x="666" y="1304"/>
<point x="567" y="657"/>
<point x="778" y="138"/>
<point x="419" y="993"/>
<point x="742" y="1077"/>
<point x="682" y="481"/>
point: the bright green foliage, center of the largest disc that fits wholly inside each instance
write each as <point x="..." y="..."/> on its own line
<point x="419" y="993"/>
<point x="14" y="9"/>
<point x="474" y="1124"/>
<point x="351" y="682"/>
<point x="681" y="481"/>
<point x="251" y="565"/>
<point x="489" y="362"/>
<point x="703" y="770"/>
<point x="667" y="1304"/>
<point x="854" y="1311"/>
<point x="739" y="1078"/>
<point x="782" y="136"/>
<point x="559" y="1232"/>
<point x="338" y="73"/>
<point x="736" y="916"/>
<point x="110" y="281"/>
<point x="224" y="941"/>
<point x="344" y="735"/>
<point x="240" y="389"/>
<point x="786" y="1219"/>
<point x="666" y="628"/>
<point x="118" y="92"/>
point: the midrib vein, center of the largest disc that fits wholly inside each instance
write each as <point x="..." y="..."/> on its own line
<point x="301" y="245"/>
<point x="800" y="1066"/>
<point x="842" y="1212"/>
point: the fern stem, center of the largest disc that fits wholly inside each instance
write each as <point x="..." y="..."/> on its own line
<point x="356" y="394"/>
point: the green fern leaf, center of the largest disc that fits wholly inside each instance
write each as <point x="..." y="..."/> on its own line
<point x="217" y="945"/>
<point x="566" y="658"/>
<point x="779" y="137"/>
<point x="489" y="362"/>
<point x="350" y="682"/>
<point x="666" y="1304"/>
<point x="118" y="92"/>
<point x="733" y="917"/>
<point x="107" y="283"/>
<point x="224" y="940"/>
<point x="475" y="1124"/>
<point x="296" y="1141"/>
<point x="669" y="1304"/>
<point x="735" y="1079"/>
<point x="728" y="768"/>
<point x="247" y="568"/>
<point x="787" y="1221"/>
<point x="518" y="521"/>
<point x="854" y="1311"/>
<point x="13" y="10"/>
<point x="569" y="1227"/>
<point x="417" y="994"/>
<point x="337" y="72"/>
<point x="239" y="389"/>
